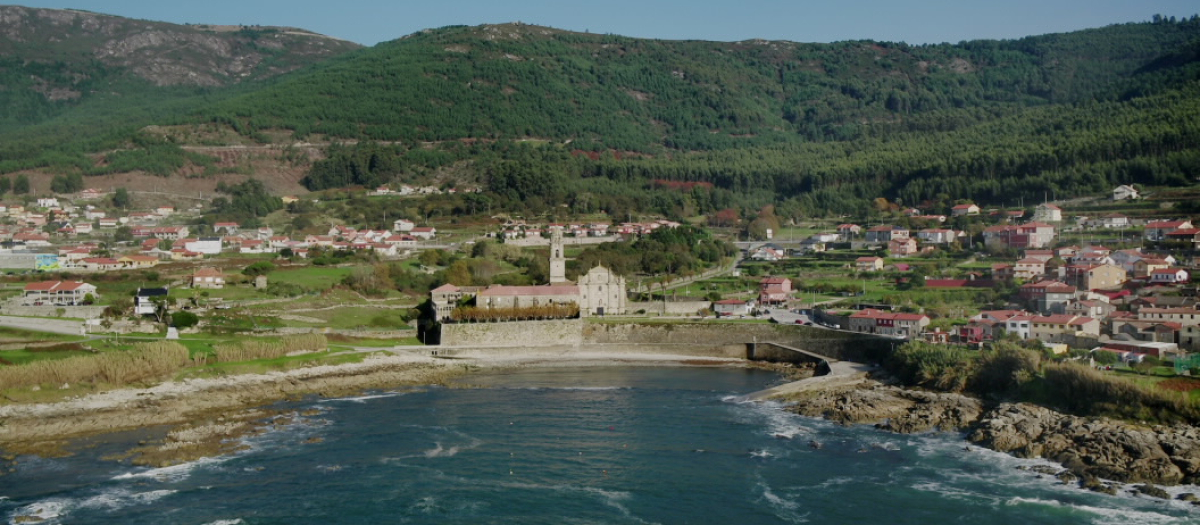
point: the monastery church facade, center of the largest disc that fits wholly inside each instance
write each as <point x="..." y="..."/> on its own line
<point x="599" y="292"/>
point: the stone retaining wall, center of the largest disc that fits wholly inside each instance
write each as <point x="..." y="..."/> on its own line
<point x="518" y="333"/>
<point x="706" y="338"/>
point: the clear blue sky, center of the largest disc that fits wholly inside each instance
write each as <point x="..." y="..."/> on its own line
<point x="914" y="21"/>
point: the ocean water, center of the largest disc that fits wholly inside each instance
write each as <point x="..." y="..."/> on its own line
<point x="569" y="446"/>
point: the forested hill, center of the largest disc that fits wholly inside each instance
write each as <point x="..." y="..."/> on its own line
<point x="611" y="92"/>
<point x="543" y="117"/>
<point x="54" y="62"/>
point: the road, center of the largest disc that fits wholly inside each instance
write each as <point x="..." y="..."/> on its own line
<point x="37" y="324"/>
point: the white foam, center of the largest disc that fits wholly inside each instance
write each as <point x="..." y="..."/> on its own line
<point x="235" y="521"/>
<point x="785" y="509"/>
<point x="761" y="454"/>
<point x="439" y="452"/>
<point x="173" y="473"/>
<point x="362" y="399"/>
<point x="42" y="511"/>
<point x="1107" y="516"/>
<point x="121" y="498"/>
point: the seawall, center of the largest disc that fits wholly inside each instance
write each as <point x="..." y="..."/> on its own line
<point x="701" y="339"/>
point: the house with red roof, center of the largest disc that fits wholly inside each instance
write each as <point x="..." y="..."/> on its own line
<point x="1169" y="276"/>
<point x="963" y="210"/>
<point x="57" y="293"/>
<point x="731" y="307"/>
<point x="1158" y="230"/>
<point x="207" y="277"/>
<point x="870" y="321"/>
<point x="868" y="264"/>
<point x="1063" y="328"/>
<point x="774" y="290"/>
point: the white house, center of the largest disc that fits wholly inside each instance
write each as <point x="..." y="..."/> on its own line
<point x="402" y="225"/>
<point x="730" y="307"/>
<point x="1124" y="192"/>
<point x="1169" y="276"/>
<point x="425" y="232"/>
<point x="205" y="245"/>
<point x="1047" y="213"/>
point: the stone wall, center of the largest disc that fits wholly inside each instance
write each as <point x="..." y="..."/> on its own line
<point x="669" y="307"/>
<point x="521" y="333"/>
<point x="736" y="351"/>
<point x="78" y="312"/>
<point x="702" y="339"/>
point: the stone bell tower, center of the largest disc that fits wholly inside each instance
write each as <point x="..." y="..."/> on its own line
<point x="558" y="262"/>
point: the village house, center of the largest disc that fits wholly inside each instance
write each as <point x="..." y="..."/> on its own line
<point x="144" y="300"/>
<point x="732" y="307"/>
<point x="1029" y="269"/>
<point x="1188" y="320"/>
<point x="1094" y="309"/>
<point x="1146" y="266"/>
<point x="1189" y="236"/>
<point x="57" y="293"/>
<point x="1030" y="235"/>
<point x="774" y="290"/>
<point x="870" y="321"/>
<point x="1063" y="328"/>
<point x="963" y="210"/>
<point x="1047" y="213"/>
<point x="868" y="264"/>
<point x="99" y="264"/>
<point x="1124" y="192"/>
<point x="937" y="236"/>
<point x="424" y="232"/>
<point x="207" y="277"/>
<point x="1110" y="221"/>
<point x="885" y="233"/>
<point x="137" y="261"/>
<point x="205" y="245"/>
<point x="228" y="228"/>
<point x="1158" y="230"/>
<point x="1097" y="277"/>
<point x="1169" y="276"/>
<point x="768" y="253"/>
<point x="847" y="232"/>
<point x="902" y="247"/>
<point x="1048" y="297"/>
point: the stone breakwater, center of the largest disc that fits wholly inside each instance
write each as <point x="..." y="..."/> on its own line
<point x="1091" y="450"/>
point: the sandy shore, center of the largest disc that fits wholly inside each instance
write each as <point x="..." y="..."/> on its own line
<point x="217" y="409"/>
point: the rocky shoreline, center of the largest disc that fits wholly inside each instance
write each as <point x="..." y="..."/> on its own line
<point x="1098" y="454"/>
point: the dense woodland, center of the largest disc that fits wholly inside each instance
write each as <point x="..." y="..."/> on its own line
<point x="541" y="118"/>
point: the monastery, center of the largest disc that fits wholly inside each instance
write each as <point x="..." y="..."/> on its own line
<point x="599" y="292"/>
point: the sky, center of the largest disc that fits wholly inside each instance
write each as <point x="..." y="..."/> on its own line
<point x="369" y="22"/>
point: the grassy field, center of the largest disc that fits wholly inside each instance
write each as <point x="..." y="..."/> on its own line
<point x="312" y="277"/>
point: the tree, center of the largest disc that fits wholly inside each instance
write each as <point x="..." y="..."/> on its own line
<point x="123" y="234"/>
<point x="5" y="185"/>
<point x="21" y="185"/>
<point x="121" y="199"/>
<point x="258" y="268"/>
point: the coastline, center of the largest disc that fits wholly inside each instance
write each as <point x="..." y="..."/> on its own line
<point x="204" y="416"/>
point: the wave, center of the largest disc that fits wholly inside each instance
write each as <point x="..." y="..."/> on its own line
<point x="362" y="399"/>
<point x="1106" y="516"/>
<point x="439" y="452"/>
<point x="173" y="473"/>
<point x="235" y="521"/>
<point x="53" y="510"/>
<point x="785" y="509"/>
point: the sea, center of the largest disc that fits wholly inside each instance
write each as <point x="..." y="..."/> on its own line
<point x="634" y="445"/>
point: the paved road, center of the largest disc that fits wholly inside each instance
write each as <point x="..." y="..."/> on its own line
<point x="54" y="326"/>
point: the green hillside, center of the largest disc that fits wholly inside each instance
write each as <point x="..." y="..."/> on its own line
<point x="542" y="117"/>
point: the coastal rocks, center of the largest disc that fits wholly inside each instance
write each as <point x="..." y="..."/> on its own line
<point x="891" y="408"/>
<point x="1093" y="448"/>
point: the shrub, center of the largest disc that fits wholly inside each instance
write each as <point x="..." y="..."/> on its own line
<point x="145" y="361"/>
<point x="184" y="319"/>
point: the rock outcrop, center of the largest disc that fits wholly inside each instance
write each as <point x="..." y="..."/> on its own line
<point x="1091" y="450"/>
<point x="1094" y="448"/>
